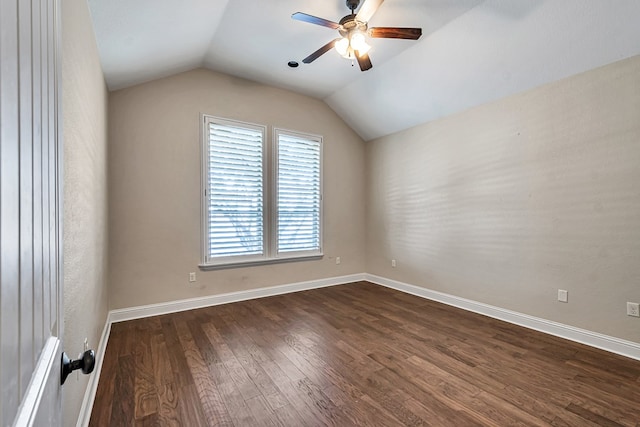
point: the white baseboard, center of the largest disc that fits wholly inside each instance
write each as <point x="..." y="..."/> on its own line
<point x="123" y="314"/>
<point x="92" y="387"/>
<point x="583" y="336"/>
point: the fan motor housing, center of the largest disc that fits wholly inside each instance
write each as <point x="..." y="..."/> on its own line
<point x="348" y="21"/>
<point x="349" y="24"/>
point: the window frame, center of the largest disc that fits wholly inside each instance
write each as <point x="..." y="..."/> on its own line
<point x="270" y="253"/>
<point x="205" y="196"/>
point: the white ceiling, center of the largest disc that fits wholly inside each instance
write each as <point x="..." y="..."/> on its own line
<point x="471" y="51"/>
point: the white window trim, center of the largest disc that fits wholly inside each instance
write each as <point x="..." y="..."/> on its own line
<point x="270" y="165"/>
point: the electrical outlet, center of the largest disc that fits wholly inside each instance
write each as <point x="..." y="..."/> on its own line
<point x="633" y="309"/>
<point x="563" y="296"/>
<point x="393" y="263"/>
<point x="192" y="277"/>
<point x="337" y="260"/>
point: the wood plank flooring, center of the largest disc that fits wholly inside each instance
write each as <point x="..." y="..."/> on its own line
<point x="357" y="354"/>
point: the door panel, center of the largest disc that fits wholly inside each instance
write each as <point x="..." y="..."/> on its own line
<point x="27" y="362"/>
<point x="36" y="83"/>
<point x="9" y="213"/>
<point x="30" y="214"/>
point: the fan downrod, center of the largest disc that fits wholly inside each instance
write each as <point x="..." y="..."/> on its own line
<point x="353" y="4"/>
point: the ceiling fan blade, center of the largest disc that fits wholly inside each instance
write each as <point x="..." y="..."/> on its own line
<point x="363" y="61"/>
<point x="299" y="16"/>
<point x="318" y="53"/>
<point x="367" y="10"/>
<point x="395" y="33"/>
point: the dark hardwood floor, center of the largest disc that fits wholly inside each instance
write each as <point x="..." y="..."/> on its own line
<point x="356" y="354"/>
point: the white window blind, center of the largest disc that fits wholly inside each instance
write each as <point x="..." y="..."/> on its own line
<point x="298" y="193"/>
<point x="262" y="194"/>
<point x="234" y="190"/>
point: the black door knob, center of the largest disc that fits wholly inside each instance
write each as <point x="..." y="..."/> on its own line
<point x="86" y="363"/>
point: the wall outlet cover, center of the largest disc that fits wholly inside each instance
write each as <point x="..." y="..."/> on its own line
<point x="633" y="309"/>
<point x="563" y="296"/>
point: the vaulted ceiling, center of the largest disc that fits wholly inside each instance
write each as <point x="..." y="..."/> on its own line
<point x="471" y="51"/>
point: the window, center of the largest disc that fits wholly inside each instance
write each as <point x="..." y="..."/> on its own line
<point x="262" y="197"/>
<point x="235" y="190"/>
<point x="298" y="192"/>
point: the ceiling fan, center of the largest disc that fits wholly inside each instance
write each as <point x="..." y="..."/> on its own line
<point x="353" y="29"/>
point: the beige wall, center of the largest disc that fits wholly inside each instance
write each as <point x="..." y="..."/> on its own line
<point x="154" y="186"/>
<point x="84" y="108"/>
<point x="509" y="202"/>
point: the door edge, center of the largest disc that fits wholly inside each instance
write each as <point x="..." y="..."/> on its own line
<point x="48" y="364"/>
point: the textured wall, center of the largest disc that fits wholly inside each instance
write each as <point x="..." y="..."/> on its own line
<point x="154" y="186"/>
<point x="510" y="201"/>
<point x="84" y="108"/>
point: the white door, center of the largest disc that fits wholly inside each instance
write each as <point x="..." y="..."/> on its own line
<point x="30" y="214"/>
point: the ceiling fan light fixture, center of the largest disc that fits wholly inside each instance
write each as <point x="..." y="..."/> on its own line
<point x="342" y="46"/>
<point x="354" y="31"/>
<point x="355" y="41"/>
<point x="359" y="42"/>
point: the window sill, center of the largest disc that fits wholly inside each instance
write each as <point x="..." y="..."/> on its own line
<point x="240" y="264"/>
